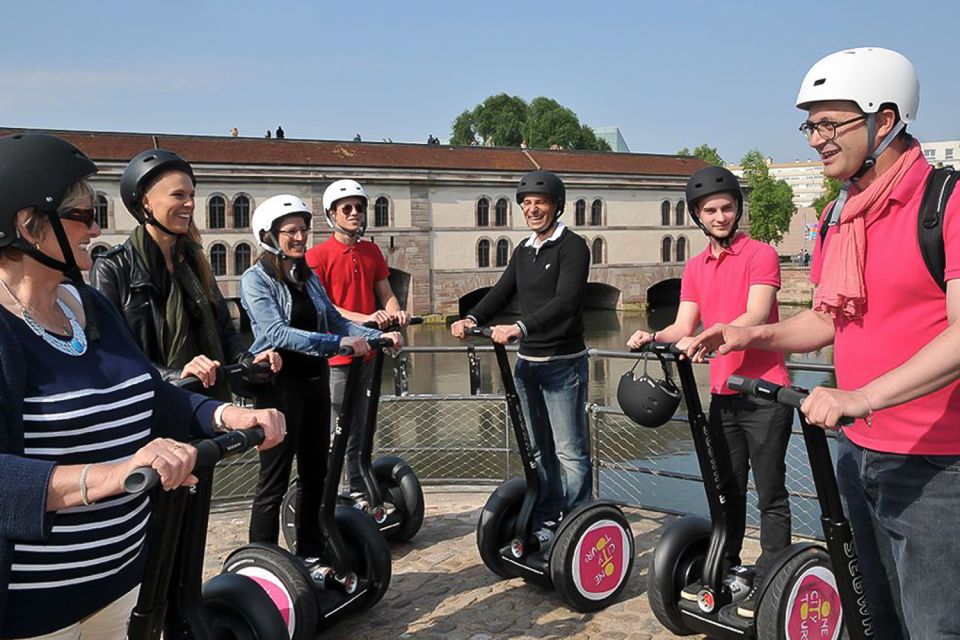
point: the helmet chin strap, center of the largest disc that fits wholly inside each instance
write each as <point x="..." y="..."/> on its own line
<point x="350" y="234"/>
<point x="723" y="242"/>
<point x="868" y="164"/>
<point x="149" y="219"/>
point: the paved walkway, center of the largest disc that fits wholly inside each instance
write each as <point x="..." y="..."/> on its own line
<point x="441" y="589"/>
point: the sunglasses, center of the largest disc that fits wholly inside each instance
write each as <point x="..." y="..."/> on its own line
<point x="86" y="216"/>
<point x="347" y="209"/>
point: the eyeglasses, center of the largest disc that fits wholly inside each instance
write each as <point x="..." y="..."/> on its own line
<point x="347" y="209"/>
<point x="300" y="231"/>
<point x="86" y="216"/>
<point x="826" y="129"/>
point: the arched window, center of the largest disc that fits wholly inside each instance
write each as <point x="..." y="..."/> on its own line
<point x="381" y="212"/>
<point x="665" y="246"/>
<point x="216" y="212"/>
<point x="483" y="254"/>
<point x="98" y="250"/>
<point x="218" y="260"/>
<point x="596" y="251"/>
<point x="681" y="214"/>
<point x="596" y="213"/>
<point x="580" y="215"/>
<point x="681" y="249"/>
<point x="503" y="252"/>
<point x="101" y="209"/>
<point x="483" y="213"/>
<point x="241" y="259"/>
<point x="665" y="213"/>
<point x="500" y="216"/>
<point x="241" y="212"/>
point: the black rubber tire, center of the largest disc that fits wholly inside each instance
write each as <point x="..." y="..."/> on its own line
<point x="676" y="561"/>
<point x="370" y="558"/>
<point x="564" y="557"/>
<point x="772" y="608"/>
<point x="239" y="609"/>
<point x="400" y="485"/>
<point x="290" y="572"/>
<point x="288" y="515"/>
<point x="495" y="527"/>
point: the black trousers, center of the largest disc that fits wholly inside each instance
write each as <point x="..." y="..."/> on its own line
<point x="756" y="432"/>
<point x="306" y="405"/>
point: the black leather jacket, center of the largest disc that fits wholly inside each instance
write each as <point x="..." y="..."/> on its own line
<point x="121" y="275"/>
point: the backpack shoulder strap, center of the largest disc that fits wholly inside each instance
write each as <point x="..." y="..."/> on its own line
<point x="936" y="194"/>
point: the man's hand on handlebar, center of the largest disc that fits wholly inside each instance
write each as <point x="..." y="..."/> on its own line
<point x="381" y="318"/>
<point x="458" y="328"/>
<point x="825" y="406"/>
<point x="505" y="333"/>
<point x="396" y="339"/>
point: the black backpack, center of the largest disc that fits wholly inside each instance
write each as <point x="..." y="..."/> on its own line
<point x="929" y="221"/>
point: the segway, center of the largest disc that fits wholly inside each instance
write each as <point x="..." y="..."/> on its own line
<point x="353" y="571"/>
<point x="798" y="598"/>
<point x="587" y="559"/>
<point x="171" y="601"/>
<point x="393" y="497"/>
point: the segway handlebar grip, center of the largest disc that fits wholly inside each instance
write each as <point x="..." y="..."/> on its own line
<point x="789" y="396"/>
<point x="209" y="452"/>
<point x="658" y="347"/>
<point x="485" y="332"/>
<point x="371" y="324"/>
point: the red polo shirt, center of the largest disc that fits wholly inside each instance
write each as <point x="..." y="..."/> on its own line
<point x="719" y="286"/>
<point x="348" y="273"/>
<point x="905" y="310"/>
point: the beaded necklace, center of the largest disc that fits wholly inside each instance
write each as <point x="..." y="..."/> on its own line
<point x="74" y="345"/>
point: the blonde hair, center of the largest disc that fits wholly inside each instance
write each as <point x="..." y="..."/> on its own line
<point x="38" y="223"/>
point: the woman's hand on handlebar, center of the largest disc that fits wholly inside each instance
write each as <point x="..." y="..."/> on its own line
<point x="357" y="343"/>
<point x="203" y="369"/>
<point x="173" y="460"/>
<point x="825" y="406"/>
<point x="271" y="356"/>
<point x="273" y="423"/>
<point x="396" y="339"/>
<point x="458" y="329"/>
<point x="639" y="338"/>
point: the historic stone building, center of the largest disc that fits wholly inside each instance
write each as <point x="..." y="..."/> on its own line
<point x="445" y="217"/>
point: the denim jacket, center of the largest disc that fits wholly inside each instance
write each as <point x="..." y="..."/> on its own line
<point x="269" y="305"/>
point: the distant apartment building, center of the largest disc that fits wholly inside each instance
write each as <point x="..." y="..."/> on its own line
<point x="613" y="137"/>
<point x="805" y="177"/>
<point x="942" y="153"/>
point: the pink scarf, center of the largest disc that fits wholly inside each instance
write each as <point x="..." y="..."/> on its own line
<point x="841" y="292"/>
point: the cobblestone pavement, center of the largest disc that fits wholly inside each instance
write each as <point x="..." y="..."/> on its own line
<point x="441" y="589"/>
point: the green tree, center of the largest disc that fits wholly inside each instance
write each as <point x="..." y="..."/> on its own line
<point x="507" y="121"/>
<point x="770" y="201"/>
<point x="704" y="152"/>
<point x="831" y="189"/>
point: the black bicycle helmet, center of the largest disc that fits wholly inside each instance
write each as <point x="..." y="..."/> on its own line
<point x="543" y="182"/>
<point x="145" y="166"/>
<point x="35" y="171"/>
<point x="646" y="401"/>
<point x="710" y="181"/>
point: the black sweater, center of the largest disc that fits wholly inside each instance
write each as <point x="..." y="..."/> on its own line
<point x="550" y="285"/>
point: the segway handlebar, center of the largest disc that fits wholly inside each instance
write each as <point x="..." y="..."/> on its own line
<point x="484" y="332"/>
<point x="209" y="452"/>
<point x="789" y="396"/>
<point x="258" y="372"/>
<point x="375" y="343"/>
<point x="666" y="349"/>
<point x="372" y="324"/>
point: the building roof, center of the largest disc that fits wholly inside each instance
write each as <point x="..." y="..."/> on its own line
<point x="120" y="147"/>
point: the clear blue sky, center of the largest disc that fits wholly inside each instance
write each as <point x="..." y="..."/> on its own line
<point x="669" y="73"/>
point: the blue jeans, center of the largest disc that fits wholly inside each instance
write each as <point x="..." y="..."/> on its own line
<point x="554" y="397"/>
<point x="905" y="510"/>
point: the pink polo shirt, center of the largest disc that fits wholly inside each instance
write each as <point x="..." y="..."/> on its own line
<point x="905" y="311"/>
<point x="719" y="286"/>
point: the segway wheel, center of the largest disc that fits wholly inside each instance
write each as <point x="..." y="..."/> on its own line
<point x="288" y="516"/>
<point x="801" y="597"/>
<point x="285" y="579"/>
<point x="400" y="485"/>
<point x="239" y="609"/>
<point x="495" y="528"/>
<point x="676" y="562"/>
<point x="592" y="557"/>
<point x="369" y="559"/>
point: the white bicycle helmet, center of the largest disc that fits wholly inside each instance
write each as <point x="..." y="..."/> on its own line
<point x="338" y="190"/>
<point x="271" y="210"/>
